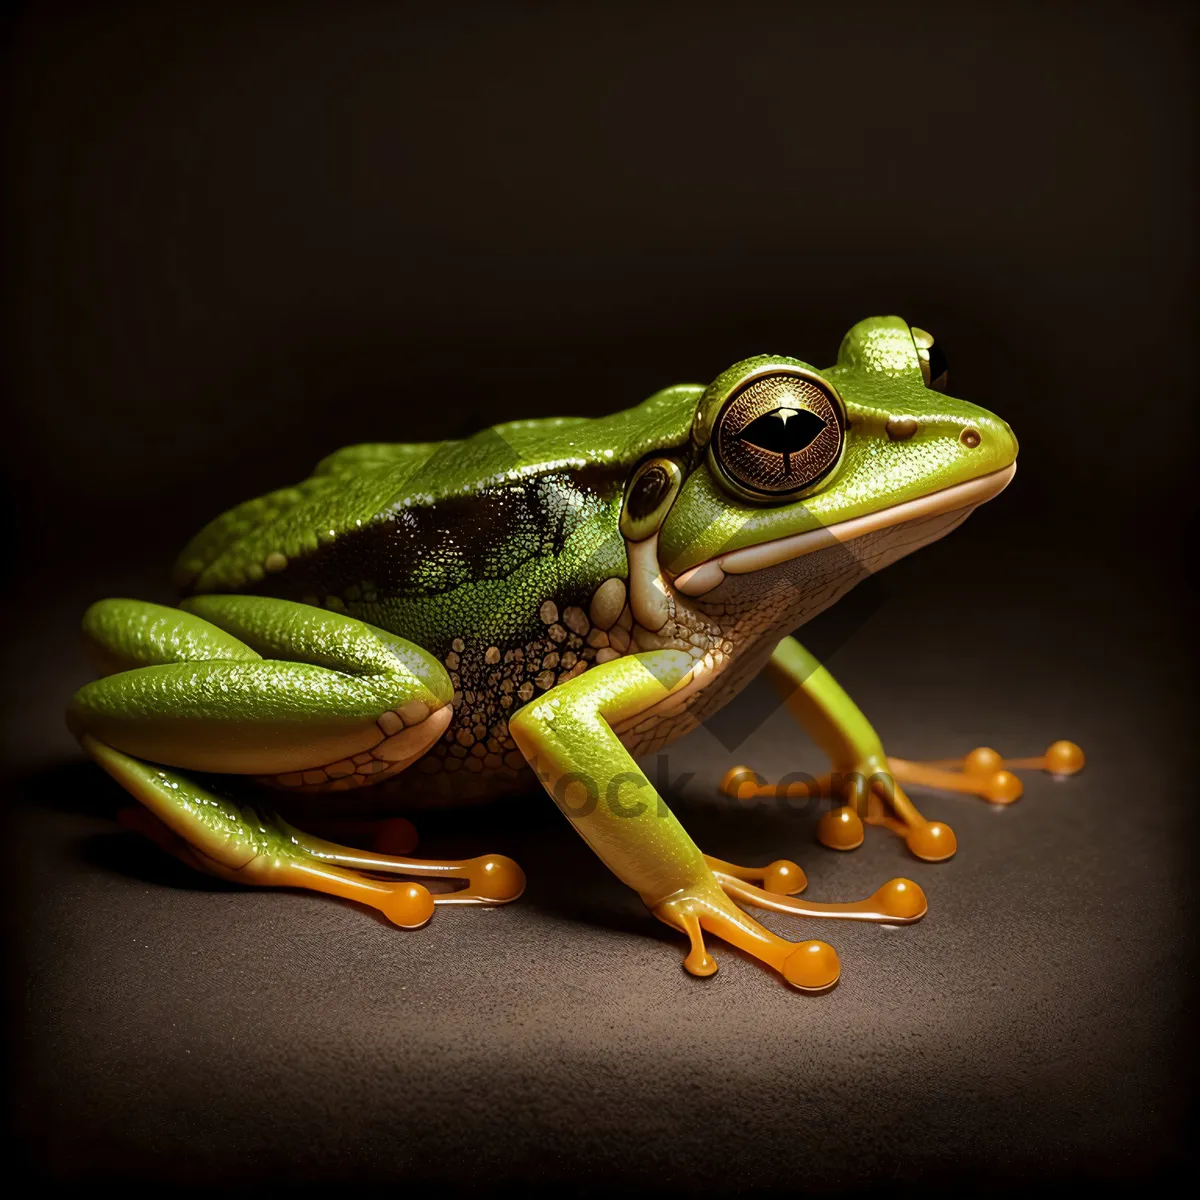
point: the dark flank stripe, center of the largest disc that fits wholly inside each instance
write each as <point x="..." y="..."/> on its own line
<point x="428" y="550"/>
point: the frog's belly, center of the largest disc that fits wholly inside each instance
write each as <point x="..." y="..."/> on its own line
<point x="418" y="789"/>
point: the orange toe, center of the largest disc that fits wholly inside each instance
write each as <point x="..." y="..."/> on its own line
<point x="812" y="966"/>
<point x="1064" y="758"/>
<point x="841" y="829"/>
<point x="410" y="905"/>
<point x="932" y="841"/>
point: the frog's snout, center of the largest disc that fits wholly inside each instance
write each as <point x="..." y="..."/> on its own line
<point x="993" y="436"/>
<point x="976" y="431"/>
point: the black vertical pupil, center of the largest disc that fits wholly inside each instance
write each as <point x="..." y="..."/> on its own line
<point x="648" y="491"/>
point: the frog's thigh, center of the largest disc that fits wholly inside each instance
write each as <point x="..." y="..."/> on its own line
<point x="360" y="706"/>
<point x="123" y="634"/>
<point x="568" y="739"/>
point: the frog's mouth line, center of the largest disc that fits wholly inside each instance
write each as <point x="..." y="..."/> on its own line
<point x="707" y="575"/>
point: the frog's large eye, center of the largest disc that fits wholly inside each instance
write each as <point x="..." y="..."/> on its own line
<point x="931" y="358"/>
<point x="778" y="436"/>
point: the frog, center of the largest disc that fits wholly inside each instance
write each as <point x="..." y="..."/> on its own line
<point x="537" y="607"/>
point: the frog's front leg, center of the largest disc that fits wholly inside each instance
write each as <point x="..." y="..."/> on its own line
<point x="567" y="736"/>
<point x="865" y="779"/>
<point x="293" y="695"/>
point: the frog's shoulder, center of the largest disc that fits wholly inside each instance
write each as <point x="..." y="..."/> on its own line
<point x="360" y="485"/>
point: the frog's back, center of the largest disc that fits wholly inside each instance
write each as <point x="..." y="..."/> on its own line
<point x="412" y="522"/>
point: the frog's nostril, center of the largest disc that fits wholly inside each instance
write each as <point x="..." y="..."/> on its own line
<point x="970" y="438"/>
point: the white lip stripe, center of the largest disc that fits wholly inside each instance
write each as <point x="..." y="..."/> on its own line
<point x="706" y="575"/>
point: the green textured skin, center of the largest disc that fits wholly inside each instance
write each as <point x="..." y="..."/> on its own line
<point x="277" y="629"/>
<point x="879" y="378"/>
<point x="218" y="827"/>
<point x="124" y="634"/>
<point x="374" y="487"/>
<point x="459" y="575"/>
<point x="300" y="543"/>
<point x="455" y="547"/>
<point x="568" y="737"/>
<point x="877" y="374"/>
<point x="274" y="686"/>
<point x="568" y="732"/>
<point x="365" y="485"/>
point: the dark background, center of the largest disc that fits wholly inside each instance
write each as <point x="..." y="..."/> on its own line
<point x="236" y="238"/>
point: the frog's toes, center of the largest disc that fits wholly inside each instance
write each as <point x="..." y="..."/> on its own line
<point x="932" y="841"/>
<point x="984" y="773"/>
<point x="868" y="797"/>
<point x="841" y="829"/>
<point x="487" y="879"/>
<point x="409" y="906"/>
<point x="885" y="804"/>
<point x="811" y="966"/>
<point x="698" y="961"/>
<point x="898" y="902"/>
<point x="741" y="783"/>
<point x="496" y="879"/>
<point x="781" y="877"/>
<point x="874" y="797"/>
<point x="1062" y="758"/>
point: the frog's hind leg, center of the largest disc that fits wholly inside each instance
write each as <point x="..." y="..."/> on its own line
<point x="242" y="843"/>
<point x="246" y="685"/>
<point x="291" y="695"/>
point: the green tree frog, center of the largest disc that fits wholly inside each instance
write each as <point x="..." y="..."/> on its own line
<point x="549" y="600"/>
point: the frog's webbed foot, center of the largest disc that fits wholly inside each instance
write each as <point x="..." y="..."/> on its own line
<point x="872" y="795"/>
<point x="246" y="844"/>
<point x="867" y="796"/>
<point x="865" y="787"/>
<point x="984" y="773"/>
<point x="811" y="966"/>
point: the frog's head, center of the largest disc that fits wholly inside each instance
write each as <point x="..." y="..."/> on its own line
<point x="869" y="456"/>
